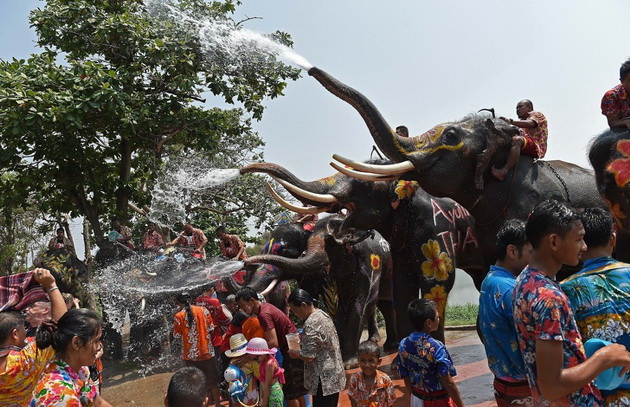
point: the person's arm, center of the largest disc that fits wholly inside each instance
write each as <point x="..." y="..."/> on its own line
<point x="47" y="281"/>
<point x="555" y="382"/>
<point x="241" y="246"/>
<point x="272" y="338"/>
<point x="174" y="241"/>
<point x="615" y="122"/>
<point x="266" y="386"/>
<point x="99" y="402"/>
<point x="452" y="390"/>
<point x="295" y="354"/>
<point x="203" y="243"/>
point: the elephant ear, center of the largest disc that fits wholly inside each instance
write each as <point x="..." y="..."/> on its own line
<point x="495" y="141"/>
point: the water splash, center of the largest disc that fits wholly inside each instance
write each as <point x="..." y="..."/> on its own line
<point x="223" y="37"/>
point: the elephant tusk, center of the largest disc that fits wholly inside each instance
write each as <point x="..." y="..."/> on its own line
<point x="270" y="287"/>
<point x="388" y="169"/>
<point x="365" y="176"/>
<point x="323" y="198"/>
<point x="294" y="208"/>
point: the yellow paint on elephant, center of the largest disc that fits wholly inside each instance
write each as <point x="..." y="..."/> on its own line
<point x="439" y="296"/>
<point x="328" y="180"/>
<point x="375" y="261"/>
<point x="438" y="264"/>
<point x="405" y="189"/>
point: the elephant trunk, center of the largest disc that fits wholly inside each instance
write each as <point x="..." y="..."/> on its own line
<point x="315" y="260"/>
<point x="393" y="146"/>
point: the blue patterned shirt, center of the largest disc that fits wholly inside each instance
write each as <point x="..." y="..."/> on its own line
<point x="496" y="322"/>
<point x="542" y="312"/>
<point x="424" y="360"/>
<point x="600" y="297"/>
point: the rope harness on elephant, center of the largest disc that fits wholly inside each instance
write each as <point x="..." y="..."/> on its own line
<point x="564" y="185"/>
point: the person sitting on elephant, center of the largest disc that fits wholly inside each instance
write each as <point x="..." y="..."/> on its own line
<point x="308" y="220"/>
<point x="60" y="241"/>
<point x="402" y="131"/>
<point x="231" y="246"/>
<point x="531" y="139"/>
<point x="616" y="103"/>
<point x="152" y="239"/>
<point x="192" y="238"/>
<point x="121" y="234"/>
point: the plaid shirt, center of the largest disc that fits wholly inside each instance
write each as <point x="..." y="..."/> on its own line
<point x="17" y="291"/>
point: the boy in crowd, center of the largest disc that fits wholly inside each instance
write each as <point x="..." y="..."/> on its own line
<point x="370" y="387"/>
<point x="599" y="293"/>
<point x="496" y="321"/>
<point x="425" y="364"/>
<point x="616" y="102"/>
<point x="187" y="388"/>
<point x="555" y="364"/>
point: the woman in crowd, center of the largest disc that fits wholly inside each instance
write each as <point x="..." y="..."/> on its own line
<point x="76" y="338"/>
<point x="324" y="376"/>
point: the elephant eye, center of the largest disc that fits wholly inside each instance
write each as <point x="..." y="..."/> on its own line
<point x="450" y="137"/>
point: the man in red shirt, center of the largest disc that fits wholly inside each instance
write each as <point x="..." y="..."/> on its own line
<point x="220" y="320"/>
<point x="616" y="104"/>
<point x="531" y="139"/>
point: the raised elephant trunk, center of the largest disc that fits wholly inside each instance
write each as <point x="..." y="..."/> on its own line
<point x="314" y="260"/>
<point x="392" y="145"/>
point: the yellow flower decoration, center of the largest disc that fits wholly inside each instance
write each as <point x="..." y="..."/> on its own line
<point x="375" y="261"/>
<point x="328" y="180"/>
<point x="439" y="296"/>
<point x="405" y="189"/>
<point x="438" y="264"/>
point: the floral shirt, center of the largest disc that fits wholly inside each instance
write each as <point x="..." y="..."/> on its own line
<point x="616" y="103"/>
<point x="23" y="369"/>
<point x="231" y="246"/>
<point x="319" y="340"/>
<point x="538" y="134"/>
<point x="63" y="243"/>
<point x="194" y="241"/>
<point x="542" y="311"/>
<point x="213" y="305"/>
<point x="196" y="339"/>
<point x="152" y="240"/>
<point x="496" y="323"/>
<point x="381" y="395"/>
<point x="600" y="298"/>
<point x="424" y="360"/>
<point x="63" y="387"/>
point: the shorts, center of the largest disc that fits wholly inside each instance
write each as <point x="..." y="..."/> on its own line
<point x="530" y="147"/>
<point x="431" y="399"/>
<point x="512" y="393"/>
<point x="276" y="396"/>
<point x="294" y="376"/>
<point x="209" y="369"/>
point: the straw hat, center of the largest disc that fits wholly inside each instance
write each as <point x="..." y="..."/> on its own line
<point x="238" y="343"/>
<point x="259" y="346"/>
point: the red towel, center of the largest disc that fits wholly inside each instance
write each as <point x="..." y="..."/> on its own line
<point x="18" y="291"/>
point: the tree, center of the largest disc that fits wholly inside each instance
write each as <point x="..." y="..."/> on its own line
<point x="89" y="134"/>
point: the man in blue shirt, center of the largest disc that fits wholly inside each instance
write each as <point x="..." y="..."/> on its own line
<point x="600" y="293"/>
<point x="496" y="321"/>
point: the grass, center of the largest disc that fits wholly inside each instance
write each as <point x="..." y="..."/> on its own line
<point x="461" y="314"/>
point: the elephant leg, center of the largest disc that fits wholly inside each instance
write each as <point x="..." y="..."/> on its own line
<point x="349" y="324"/>
<point x="406" y="289"/>
<point x="371" y="318"/>
<point x="389" y="314"/>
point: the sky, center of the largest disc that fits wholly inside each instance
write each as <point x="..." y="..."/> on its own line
<point x="423" y="63"/>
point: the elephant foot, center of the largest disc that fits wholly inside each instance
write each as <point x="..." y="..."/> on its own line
<point x="351" y="363"/>
<point x="390" y="346"/>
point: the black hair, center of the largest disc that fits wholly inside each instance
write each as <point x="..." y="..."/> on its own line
<point x="511" y="233"/>
<point x="624" y="69"/>
<point x="298" y="296"/>
<point x="421" y="310"/>
<point x="246" y="294"/>
<point x="58" y="229"/>
<point x="187" y="388"/>
<point x="238" y="318"/>
<point x="220" y="229"/>
<point x="82" y="323"/>
<point x="404" y="129"/>
<point x="369" y="348"/>
<point x="184" y="299"/>
<point x="599" y="226"/>
<point x="9" y="320"/>
<point x="549" y="217"/>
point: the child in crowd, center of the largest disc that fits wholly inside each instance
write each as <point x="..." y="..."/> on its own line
<point x="241" y="373"/>
<point x="425" y="364"/>
<point x="187" y="388"/>
<point x="370" y="387"/>
<point x="271" y="374"/>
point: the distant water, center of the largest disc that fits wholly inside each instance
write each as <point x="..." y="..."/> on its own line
<point x="464" y="290"/>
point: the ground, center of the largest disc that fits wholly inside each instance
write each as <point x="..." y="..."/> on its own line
<point x="124" y="387"/>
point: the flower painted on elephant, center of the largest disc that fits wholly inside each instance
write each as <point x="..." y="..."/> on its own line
<point x="439" y="296"/>
<point x="616" y="211"/>
<point x="405" y="189"/>
<point x="328" y="180"/>
<point x="438" y="264"/>
<point x="375" y="261"/>
<point x="621" y="166"/>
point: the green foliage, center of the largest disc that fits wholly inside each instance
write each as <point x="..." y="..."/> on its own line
<point x="88" y="124"/>
<point x="462" y="314"/>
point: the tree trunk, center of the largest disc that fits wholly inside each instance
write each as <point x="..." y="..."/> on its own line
<point x="122" y="193"/>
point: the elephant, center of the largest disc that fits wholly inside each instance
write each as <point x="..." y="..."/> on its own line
<point x="609" y="155"/>
<point x="347" y="275"/>
<point x="428" y="236"/>
<point x="69" y="272"/>
<point x="454" y="160"/>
